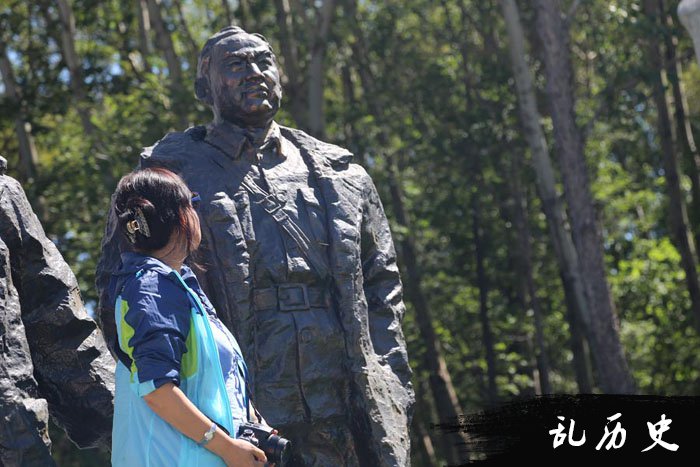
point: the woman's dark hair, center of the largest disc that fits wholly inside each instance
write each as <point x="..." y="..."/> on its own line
<point x="150" y="206"/>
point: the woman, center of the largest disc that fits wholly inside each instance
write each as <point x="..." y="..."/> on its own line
<point x="180" y="377"/>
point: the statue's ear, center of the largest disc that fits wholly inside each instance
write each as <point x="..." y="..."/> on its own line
<point x="202" y="90"/>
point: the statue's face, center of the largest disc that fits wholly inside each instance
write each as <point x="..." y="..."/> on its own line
<point x="244" y="81"/>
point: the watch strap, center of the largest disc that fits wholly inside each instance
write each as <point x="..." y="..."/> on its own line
<point x="208" y="436"/>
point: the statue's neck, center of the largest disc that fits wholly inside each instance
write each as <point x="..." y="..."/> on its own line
<point x="257" y="129"/>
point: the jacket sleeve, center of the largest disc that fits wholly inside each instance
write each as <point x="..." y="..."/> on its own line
<point x="72" y="366"/>
<point x="154" y="328"/>
<point x="393" y="405"/>
<point x="382" y="286"/>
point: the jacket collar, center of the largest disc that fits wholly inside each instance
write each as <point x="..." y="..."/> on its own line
<point x="132" y="262"/>
<point x="237" y="142"/>
<point x="323" y="154"/>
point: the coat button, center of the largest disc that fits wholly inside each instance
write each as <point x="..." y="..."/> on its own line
<point x="306" y="335"/>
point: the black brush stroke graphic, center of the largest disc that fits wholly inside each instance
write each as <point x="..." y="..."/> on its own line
<point x="518" y="432"/>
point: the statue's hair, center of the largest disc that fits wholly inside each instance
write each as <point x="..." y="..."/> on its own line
<point x="201" y="84"/>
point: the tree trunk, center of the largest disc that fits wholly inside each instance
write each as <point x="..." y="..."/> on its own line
<point x="301" y="20"/>
<point x="482" y="284"/>
<point x="29" y="159"/>
<point x="564" y="249"/>
<point x="227" y="12"/>
<point x="164" y="43"/>
<point x="608" y="353"/>
<point x="244" y="14"/>
<point x="317" y="125"/>
<point x="444" y="394"/>
<point x="422" y="419"/>
<point x="290" y="55"/>
<point x="351" y="136"/>
<point x="579" y="347"/>
<point x="190" y="44"/>
<point x="691" y="157"/>
<point x="144" y="31"/>
<point x="425" y="444"/>
<point x="481" y="278"/>
<point x="530" y="299"/>
<point x="542" y="358"/>
<point x="70" y="56"/>
<point x="678" y="216"/>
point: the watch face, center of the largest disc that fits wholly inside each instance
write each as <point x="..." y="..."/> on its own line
<point x="208" y="436"/>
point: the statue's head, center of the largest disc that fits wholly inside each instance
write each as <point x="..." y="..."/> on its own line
<point x="237" y="76"/>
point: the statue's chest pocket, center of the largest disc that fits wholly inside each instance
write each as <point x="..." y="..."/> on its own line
<point x="313" y="213"/>
<point x="241" y="201"/>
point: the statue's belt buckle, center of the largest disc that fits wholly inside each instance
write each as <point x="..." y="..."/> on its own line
<point x="293" y="297"/>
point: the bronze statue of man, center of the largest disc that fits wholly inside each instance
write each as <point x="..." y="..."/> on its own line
<point x="298" y="260"/>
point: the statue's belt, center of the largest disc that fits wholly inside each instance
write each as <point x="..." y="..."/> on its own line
<point x="291" y="297"/>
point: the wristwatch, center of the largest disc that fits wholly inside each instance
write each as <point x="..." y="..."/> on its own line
<point x="208" y="436"/>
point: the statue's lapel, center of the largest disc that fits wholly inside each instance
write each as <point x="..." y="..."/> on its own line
<point x="224" y="246"/>
<point x="342" y="197"/>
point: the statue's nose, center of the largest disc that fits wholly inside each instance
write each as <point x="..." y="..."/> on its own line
<point x="254" y="70"/>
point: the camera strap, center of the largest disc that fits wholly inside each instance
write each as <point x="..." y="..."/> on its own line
<point x="250" y="402"/>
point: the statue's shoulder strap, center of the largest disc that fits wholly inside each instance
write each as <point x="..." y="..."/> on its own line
<point x="274" y="207"/>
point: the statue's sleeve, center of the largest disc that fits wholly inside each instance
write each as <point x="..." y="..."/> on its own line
<point x="382" y="286"/>
<point x="72" y="366"/>
<point x="385" y="311"/>
<point x="109" y="263"/>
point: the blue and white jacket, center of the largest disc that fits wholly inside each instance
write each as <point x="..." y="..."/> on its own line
<point x="167" y="331"/>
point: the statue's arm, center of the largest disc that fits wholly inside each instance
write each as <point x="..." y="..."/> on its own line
<point x="108" y="263"/>
<point x="382" y="286"/>
<point x="72" y="366"/>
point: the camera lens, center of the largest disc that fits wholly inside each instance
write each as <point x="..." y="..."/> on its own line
<point x="280" y="449"/>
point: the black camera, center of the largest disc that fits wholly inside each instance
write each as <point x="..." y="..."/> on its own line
<point x="277" y="449"/>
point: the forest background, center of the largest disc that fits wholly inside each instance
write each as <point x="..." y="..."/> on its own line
<point x="537" y="162"/>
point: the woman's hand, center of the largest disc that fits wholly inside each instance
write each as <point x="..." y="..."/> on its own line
<point x="241" y="453"/>
<point x="171" y="404"/>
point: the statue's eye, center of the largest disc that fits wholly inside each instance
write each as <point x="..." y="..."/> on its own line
<point x="236" y="64"/>
<point x="265" y="60"/>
